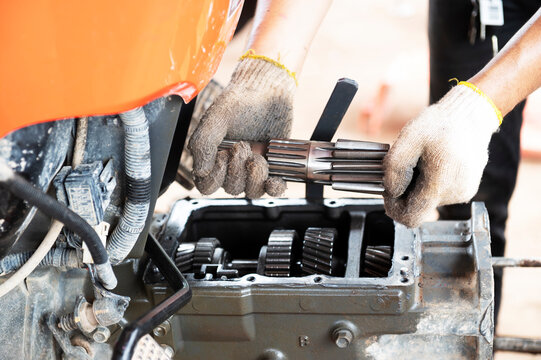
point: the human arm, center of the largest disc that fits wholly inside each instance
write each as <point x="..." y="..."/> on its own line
<point x="439" y="157"/>
<point x="258" y="102"/>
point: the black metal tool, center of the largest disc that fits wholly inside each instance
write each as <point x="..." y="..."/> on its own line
<point x="333" y="113"/>
<point x="131" y="334"/>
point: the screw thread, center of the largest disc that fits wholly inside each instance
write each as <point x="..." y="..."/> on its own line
<point x="67" y="322"/>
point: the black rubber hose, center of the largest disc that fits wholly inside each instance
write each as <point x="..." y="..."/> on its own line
<point x="49" y="206"/>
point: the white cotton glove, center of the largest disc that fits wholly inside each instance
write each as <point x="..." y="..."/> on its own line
<point x="448" y="143"/>
<point x="257" y="105"/>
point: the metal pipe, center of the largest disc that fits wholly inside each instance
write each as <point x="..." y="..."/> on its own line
<point x="501" y="262"/>
<point x="532" y="346"/>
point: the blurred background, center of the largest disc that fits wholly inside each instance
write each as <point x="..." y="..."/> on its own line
<point x="382" y="44"/>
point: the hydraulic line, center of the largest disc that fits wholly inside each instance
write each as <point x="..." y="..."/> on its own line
<point x="46" y="204"/>
<point x="138" y="184"/>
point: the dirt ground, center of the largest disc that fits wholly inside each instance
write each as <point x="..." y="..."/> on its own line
<point x="382" y="44"/>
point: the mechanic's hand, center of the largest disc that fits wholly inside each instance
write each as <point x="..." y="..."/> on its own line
<point x="257" y="105"/>
<point x="448" y="145"/>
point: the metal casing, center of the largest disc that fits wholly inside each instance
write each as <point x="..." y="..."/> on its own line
<point x="437" y="301"/>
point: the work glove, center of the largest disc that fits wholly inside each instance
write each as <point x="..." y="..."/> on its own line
<point x="448" y="147"/>
<point x="257" y="105"/>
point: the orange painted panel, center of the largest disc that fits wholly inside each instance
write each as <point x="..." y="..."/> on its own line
<point x="62" y="59"/>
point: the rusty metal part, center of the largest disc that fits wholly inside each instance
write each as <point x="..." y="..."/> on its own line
<point x="532" y="346"/>
<point x="500" y="262"/>
<point x="346" y="165"/>
<point x="317" y="250"/>
<point x="71" y="351"/>
<point x="104" y="311"/>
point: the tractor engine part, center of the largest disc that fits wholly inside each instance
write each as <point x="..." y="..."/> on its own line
<point x="276" y="257"/>
<point x="317" y="250"/>
<point x="355" y="286"/>
<point x="87" y="189"/>
<point x="346" y="165"/>
<point x="377" y="260"/>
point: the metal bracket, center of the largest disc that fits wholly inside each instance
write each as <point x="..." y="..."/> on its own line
<point x="333" y="113"/>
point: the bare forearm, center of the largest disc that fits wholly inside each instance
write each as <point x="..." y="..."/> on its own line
<point x="516" y="71"/>
<point x="284" y="29"/>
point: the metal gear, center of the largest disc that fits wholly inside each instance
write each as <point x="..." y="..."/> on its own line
<point x="317" y="250"/>
<point x="377" y="261"/>
<point x="275" y="259"/>
<point x="205" y="252"/>
<point x="184" y="257"/>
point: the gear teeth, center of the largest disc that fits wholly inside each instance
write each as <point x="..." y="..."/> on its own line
<point x="279" y="253"/>
<point x="288" y="158"/>
<point x="204" y="251"/>
<point x="377" y="261"/>
<point x="317" y="250"/>
<point x="184" y="257"/>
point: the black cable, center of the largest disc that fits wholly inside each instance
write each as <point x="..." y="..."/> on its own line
<point x="49" y="206"/>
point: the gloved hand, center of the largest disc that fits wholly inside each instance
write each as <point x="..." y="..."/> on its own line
<point x="257" y="105"/>
<point x="448" y="143"/>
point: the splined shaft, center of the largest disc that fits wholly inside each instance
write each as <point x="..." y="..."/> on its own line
<point x="346" y="165"/>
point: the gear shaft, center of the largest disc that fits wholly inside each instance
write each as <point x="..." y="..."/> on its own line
<point x="346" y="165"/>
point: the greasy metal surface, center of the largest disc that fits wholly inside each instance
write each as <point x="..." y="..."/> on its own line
<point x="26" y="309"/>
<point x="437" y="301"/>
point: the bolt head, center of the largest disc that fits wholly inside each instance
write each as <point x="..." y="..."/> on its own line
<point x="162" y="329"/>
<point x="168" y="350"/>
<point x="101" y="335"/>
<point x="342" y="338"/>
<point x="159" y="331"/>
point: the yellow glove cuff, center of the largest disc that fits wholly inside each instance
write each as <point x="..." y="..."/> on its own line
<point x="485" y="96"/>
<point x="252" y="55"/>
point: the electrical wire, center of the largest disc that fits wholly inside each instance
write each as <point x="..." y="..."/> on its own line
<point x="34" y="260"/>
<point x="56" y="227"/>
<point x="61" y="214"/>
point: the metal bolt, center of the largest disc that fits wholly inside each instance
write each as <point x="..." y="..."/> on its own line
<point x="168" y="350"/>
<point x="342" y="337"/>
<point x="101" y="335"/>
<point x="162" y="329"/>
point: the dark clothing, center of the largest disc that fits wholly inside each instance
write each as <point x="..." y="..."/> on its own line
<point x="453" y="56"/>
